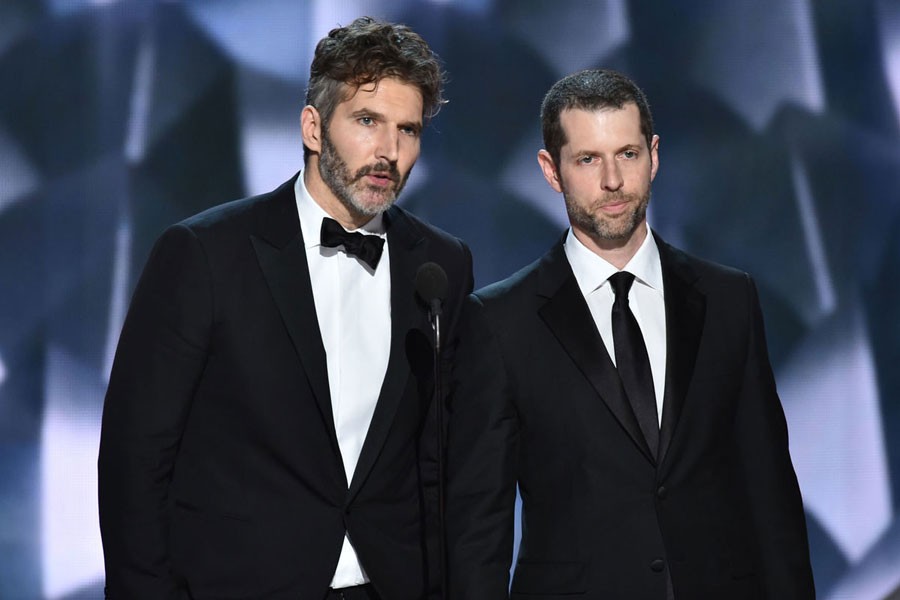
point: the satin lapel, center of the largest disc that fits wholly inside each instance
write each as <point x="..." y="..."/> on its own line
<point x="282" y="258"/>
<point x="685" y="312"/>
<point x="407" y="252"/>
<point x="567" y="315"/>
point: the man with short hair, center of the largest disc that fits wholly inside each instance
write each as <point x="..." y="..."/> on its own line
<point x="267" y="429"/>
<point x="625" y="388"/>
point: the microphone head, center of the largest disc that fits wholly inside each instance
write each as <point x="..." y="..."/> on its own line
<point x="431" y="283"/>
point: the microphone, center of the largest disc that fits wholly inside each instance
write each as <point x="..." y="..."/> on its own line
<point x="431" y="287"/>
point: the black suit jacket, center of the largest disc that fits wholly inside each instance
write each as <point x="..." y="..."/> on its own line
<point x="537" y="402"/>
<point x="219" y="470"/>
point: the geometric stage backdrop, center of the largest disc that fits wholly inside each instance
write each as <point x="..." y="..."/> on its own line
<point x="779" y="154"/>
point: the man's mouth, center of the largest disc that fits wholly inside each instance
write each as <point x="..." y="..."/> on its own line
<point x="380" y="175"/>
<point x="614" y="206"/>
<point x="382" y="179"/>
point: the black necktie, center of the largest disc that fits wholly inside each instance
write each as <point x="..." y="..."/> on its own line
<point x="632" y="361"/>
<point x="366" y="248"/>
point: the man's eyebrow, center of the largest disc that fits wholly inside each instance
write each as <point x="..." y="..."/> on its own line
<point x="583" y="151"/>
<point x="365" y="112"/>
<point x="417" y="125"/>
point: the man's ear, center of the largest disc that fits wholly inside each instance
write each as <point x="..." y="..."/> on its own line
<point x="548" y="167"/>
<point x="311" y="128"/>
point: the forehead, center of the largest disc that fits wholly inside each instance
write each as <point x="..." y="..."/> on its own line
<point x="598" y="128"/>
<point x="389" y="96"/>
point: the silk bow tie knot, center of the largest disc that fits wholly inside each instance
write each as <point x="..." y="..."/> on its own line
<point x="367" y="248"/>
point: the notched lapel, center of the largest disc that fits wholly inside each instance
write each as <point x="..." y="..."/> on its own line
<point x="287" y="275"/>
<point x="407" y="252"/>
<point x="567" y="315"/>
<point x="685" y="313"/>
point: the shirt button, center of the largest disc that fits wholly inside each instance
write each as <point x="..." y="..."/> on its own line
<point x="657" y="565"/>
<point x="662" y="492"/>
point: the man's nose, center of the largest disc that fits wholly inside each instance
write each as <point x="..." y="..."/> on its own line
<point x="611" y="176"/>
<point x="388" y="146"/>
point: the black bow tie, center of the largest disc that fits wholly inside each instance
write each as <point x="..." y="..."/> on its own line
<point x="366" y="248"/>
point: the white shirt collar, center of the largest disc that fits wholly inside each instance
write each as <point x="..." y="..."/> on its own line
<point x="311" y="215"/>
<point x="591" y="271"/>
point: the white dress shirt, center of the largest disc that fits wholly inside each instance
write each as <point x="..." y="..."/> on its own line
<point x="353" y="306"/>
<point x="645" y="299"/>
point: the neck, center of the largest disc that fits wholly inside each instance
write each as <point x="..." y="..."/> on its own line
<point x="615" y="252"/>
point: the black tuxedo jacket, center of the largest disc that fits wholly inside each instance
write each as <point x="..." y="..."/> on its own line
<point x="537" y="402"/>
<point x="219" y="470"/>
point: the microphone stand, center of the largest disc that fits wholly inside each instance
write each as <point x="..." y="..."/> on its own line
<point x="431" y="286"/>
<point x="435" y="314"/>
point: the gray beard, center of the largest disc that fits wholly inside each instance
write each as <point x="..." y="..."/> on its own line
<point x="337" y="177"/>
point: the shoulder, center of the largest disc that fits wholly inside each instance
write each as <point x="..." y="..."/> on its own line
<point x="726" y="293"/>
<point x="224" y="233"/>
<point x="705" y="274"/>
<point x="408" y="232"/>
<point x="403" y="223"/>
<point x="510" y="309"/>
<point x="521" y="283"/>
<point x="515" y="299"/>
<point x="541" y="278"/>
<point x="247" y="213"/>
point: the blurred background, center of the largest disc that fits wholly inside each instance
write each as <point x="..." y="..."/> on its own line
<point x="780" y="154"/>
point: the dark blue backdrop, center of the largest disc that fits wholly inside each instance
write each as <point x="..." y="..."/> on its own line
<point x="780" y="154"/>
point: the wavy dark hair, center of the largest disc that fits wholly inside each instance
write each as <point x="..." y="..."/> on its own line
<point x="367" y="51"/>
<point x="591" y="89"/>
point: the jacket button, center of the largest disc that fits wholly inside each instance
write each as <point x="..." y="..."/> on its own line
<point x="657" y="565"/>
<point x="662" y="492"/>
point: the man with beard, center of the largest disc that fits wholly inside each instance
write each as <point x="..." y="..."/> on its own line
<point x="267" y="428"/>
<point x="625" y="387"/>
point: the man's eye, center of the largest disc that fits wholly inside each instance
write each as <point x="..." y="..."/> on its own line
<point x="411" y="131"/>
<point x="629" y="154"/>
<point x="367" y="121"/>
<point x="586" y="160"/>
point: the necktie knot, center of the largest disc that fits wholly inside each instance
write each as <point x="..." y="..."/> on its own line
<point x="621" y="284"/>
<point x="367" y="248"/>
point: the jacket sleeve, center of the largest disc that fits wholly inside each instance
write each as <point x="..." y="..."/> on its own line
<point x="159" y="360"/>
<point x="482" y="447"/>
<point x="770" y="482"/>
